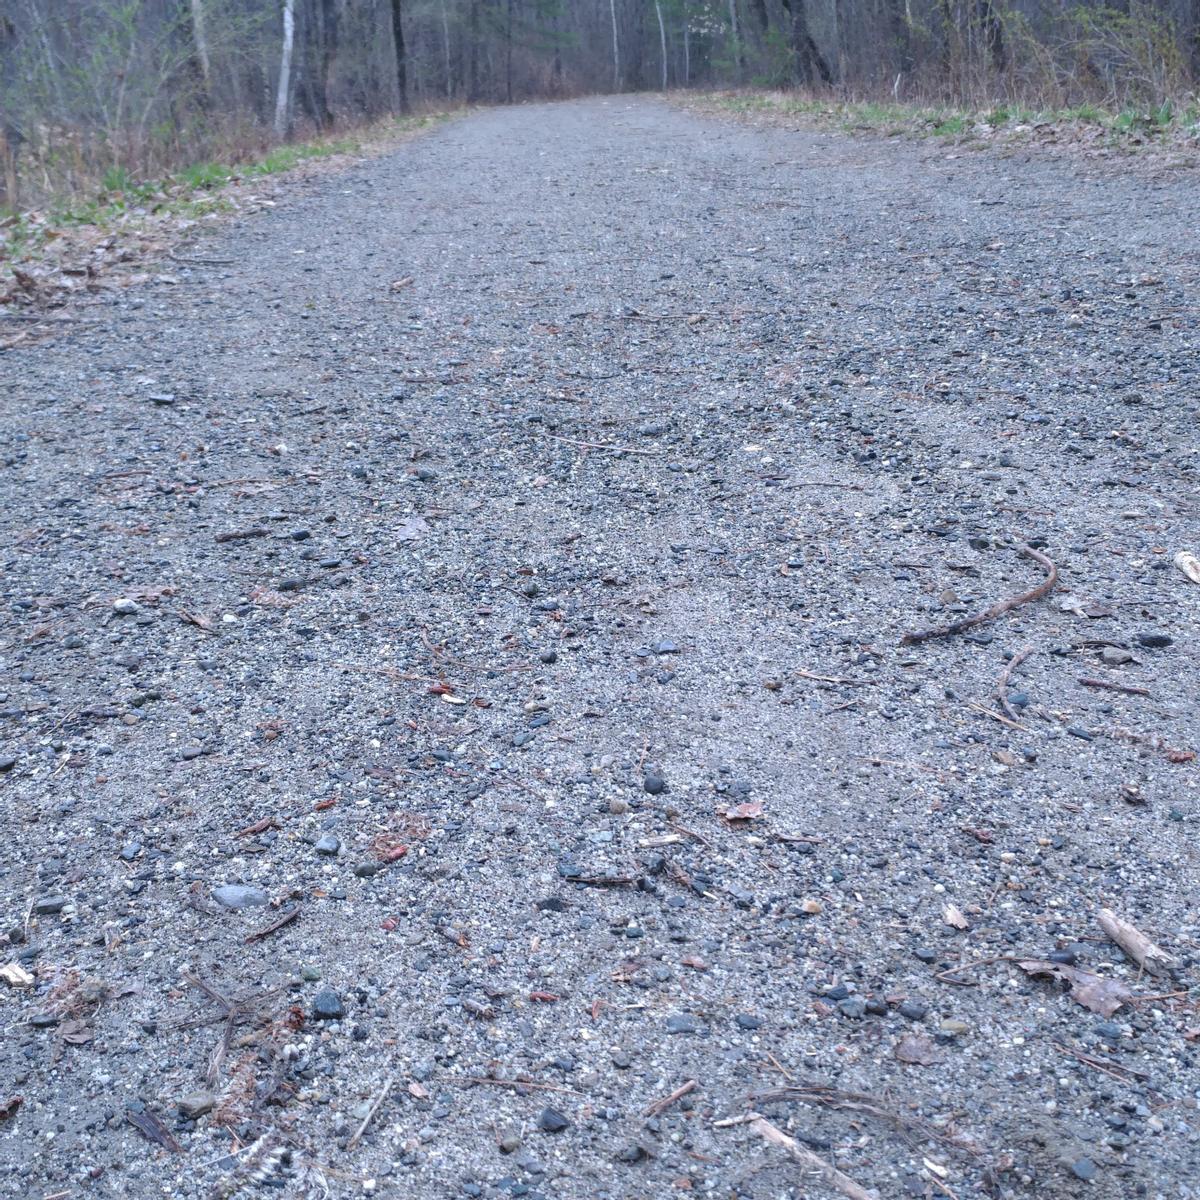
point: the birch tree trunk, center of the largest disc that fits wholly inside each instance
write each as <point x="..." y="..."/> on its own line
<point x="284" y="91"/>
<point x="200" y="37"/>
<point x="662" y="37"/>
<point x="612" y="8"/>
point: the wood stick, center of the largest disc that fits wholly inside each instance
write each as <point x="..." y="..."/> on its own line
<point x="521" y="1083"/>
<point x="1135" y="943"/>
<point x="829" y="1174"/>
<point x="661" y="1106"/>
<point x="285" y="918"/>
<point x="1042" y="590"/>
<point x="1005" y="675"/>
<point x="387" y="1087"/>
<point x="1113" y="687"/>
<point x="602" y="445"/>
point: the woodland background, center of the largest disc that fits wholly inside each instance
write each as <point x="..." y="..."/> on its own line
<point x="109" y="92"/>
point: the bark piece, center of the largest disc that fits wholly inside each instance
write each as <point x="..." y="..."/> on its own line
<point x="1135" y="943"/>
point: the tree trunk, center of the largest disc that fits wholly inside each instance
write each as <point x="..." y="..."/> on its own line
<point x="327" y="53"/>
<point x="508" y="31"/>
<point x="200" y="42"/>
<point x="662" y="38"/>
<point x="283" y="91"/>
<point x="993" y="34"/>
<point x="808" y="62"/>
<point x="446" y="47"/>
<point x="737" y="37"/>
<point x="612" y="8"/>
<point x="401" y="56"/>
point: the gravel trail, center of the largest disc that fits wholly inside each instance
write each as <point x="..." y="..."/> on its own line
<point x="430" y="579"/>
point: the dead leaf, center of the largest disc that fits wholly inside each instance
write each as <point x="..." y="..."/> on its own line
<point x="953" y="915"/>
<point x="917" y="1049"/>
<point x="745" y="811"/>
<point x="411" y="528"/>
<point x="1181" y="756"/>
<point x="8" y="1108"/>
<point x="1189" y="564"/>
<point x="415" y="1089"/>
<point x="1094" y="992"/>
<point x="151" y="1128"/>
<point x="1084" y="608"/>
<point x="15" y="975"/>
<point x="75" y="1032"/>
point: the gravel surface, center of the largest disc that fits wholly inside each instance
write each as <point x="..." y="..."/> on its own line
<point x="323" y="612"/>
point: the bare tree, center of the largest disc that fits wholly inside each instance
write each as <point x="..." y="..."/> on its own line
<point x="283" y="90"/>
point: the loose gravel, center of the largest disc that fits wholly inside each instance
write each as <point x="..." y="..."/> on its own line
<point x="392" y="615"/>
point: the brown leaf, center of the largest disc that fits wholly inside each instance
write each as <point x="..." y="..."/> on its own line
<point x="151" y="1128"/>
<point x="916" y="1048"/>
<point x="411" y="528"/>
<point x="953" y="915"/>
<point x="8" y="1108"/>
<point x="1094" y="992"/>
<point x="75" y="1032"/>
<point x="746" y="811"/>
<point x="415" y="1089"/>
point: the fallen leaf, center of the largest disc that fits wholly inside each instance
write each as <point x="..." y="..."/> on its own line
<point x="543" y="997"/>
<point x="8" y="1108"/>
<point x="743" y="812"/>
<point x="15" y="975"/>
<point x="151" y="1128"/>
<point x="75" y="1032"/>
<point x="916" y="1048"/>
<point x="697" y="964"/>
<point x="953" y="915"/>
<point x="1189" y="564"/>
<point x="411" y="528"/>
<point x="415" y="1089"/>
<point x="1181" y="756"/>
<point x="1094" y="992"/>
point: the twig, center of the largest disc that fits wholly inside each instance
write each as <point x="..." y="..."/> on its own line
<point x="285" y="918"/>
<point x="661" y="1106"/>
<point x="1107" y="1066"/>
<point x="1005" y="675"/>
<point x="1135" y="943"/>
<point x="200" y="262"/>
<point x="387" y="1087"/>
<point x="987" y="712"/>
<point x="999" y="608"/>
<point x="602" y="445"/>
<point x="521" y="1083"/>
<point x="805" y="1157"/>
<point x="236" y="535"/>
<point x="699" y="837"/>
<point x="832" y="678"/>
<point x="1113" y="687"/>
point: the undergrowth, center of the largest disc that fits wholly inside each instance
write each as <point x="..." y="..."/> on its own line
<point x="953" y="122"/>
<point x="191" y="192"/>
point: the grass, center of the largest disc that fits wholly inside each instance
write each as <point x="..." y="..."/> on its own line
<point x="191" y="192"/>
<point x="951" y="122"/>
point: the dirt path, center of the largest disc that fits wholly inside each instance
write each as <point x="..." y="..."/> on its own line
<point x="419" y="611"/>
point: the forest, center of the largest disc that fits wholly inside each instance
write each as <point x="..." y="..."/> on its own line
<point x="131" y="87"/>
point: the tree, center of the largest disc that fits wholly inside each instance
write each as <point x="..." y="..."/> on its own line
<point x="401" y="56"/>
<point x="283" y="90"/>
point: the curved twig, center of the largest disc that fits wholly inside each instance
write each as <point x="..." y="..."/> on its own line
<point x="999" y="608"/>
<point x="1002" y="685"/>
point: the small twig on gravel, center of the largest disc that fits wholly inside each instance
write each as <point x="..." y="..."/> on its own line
<point x="387" y="1087"/>
<point x="827" y="483"/>
<point x="1042" y="590"/>
<point x="832" y="678"/>
<point x="1105" y="1065"/>
<point x="1135" y="943"/>
<point x="1113" y="687"/>
<point x="237" y="535"/>
<point x="521" y="1083"/>
<point x="285" y="918"/>
<point x="199" y="262"/>
<point x="1005" y="675"/>
<point x="661" y="1106"/>
<point x="829" y="1174"/>
<point x="692" y="834"/>
<point x="987" y="712"/>
<point x="948" y="975"/>
<point x="558" y="437"/>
